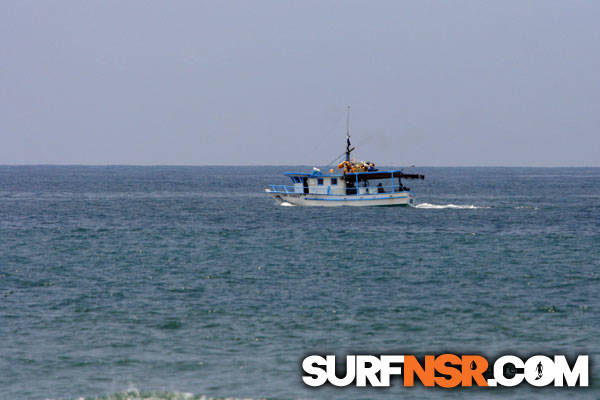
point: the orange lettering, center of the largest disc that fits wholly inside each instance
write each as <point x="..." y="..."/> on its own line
<point x="473" y="368"/>
<point x="412" y="366"/>
<point x="441" y="366"/>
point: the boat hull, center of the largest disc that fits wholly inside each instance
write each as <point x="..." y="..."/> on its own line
<point x="387" y="199"/>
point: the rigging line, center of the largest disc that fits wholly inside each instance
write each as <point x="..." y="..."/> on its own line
<point x="328" y="133"/>
<point x="335" y="159"/>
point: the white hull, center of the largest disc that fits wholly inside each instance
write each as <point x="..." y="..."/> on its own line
<point x="323" y="200"/>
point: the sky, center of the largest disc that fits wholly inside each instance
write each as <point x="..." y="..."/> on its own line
<point x="430" y="83"/>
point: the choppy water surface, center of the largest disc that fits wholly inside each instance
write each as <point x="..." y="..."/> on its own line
<point x="188" y="282"/>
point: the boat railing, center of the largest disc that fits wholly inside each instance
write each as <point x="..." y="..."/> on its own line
<point x="376" y="189"/>
<point x="283" y="189"/>
<point x="362" y="190"/>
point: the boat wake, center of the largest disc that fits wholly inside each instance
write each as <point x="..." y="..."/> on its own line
<point x="286" y="204"/>
<point x="445" y="206"/>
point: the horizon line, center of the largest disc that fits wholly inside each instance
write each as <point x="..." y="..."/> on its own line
<point x="290" y="165"/>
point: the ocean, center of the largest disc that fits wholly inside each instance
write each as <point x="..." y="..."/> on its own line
<point x="124" y="282"/>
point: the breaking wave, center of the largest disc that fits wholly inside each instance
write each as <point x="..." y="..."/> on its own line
<point x="134" y="394"/>
<point x="444" y="206"/>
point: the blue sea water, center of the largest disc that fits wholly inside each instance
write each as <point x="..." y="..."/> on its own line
<point x="189" y="282"/>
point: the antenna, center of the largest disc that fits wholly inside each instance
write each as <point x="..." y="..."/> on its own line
<point x="348" y="122"/>
<point x="348" y="149"/>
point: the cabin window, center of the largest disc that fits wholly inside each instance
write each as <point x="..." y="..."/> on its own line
<point x="334" y="181"/>
<point x="319" y="181"/>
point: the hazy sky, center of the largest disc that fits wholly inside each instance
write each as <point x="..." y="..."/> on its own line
<point x="267" y="82"/>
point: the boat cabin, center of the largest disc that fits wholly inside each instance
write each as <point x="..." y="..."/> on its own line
<point x="354" y="183"/>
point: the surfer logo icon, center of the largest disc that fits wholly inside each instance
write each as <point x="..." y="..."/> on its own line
<point x="539" y="369"/>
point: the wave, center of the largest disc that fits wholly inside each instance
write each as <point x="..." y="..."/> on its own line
<point x="134" y="394"/>
<point x="527" y="207"/>
<point x="444" y="206"/>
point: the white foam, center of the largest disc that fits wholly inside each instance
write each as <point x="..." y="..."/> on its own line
<point x="526" y="207"/>
<point x="134" y="394"/>
<point x="445" y="206"/>
<point x="286" y="204"/>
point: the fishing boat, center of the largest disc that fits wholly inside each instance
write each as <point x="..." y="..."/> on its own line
<point x="355" y="183"/>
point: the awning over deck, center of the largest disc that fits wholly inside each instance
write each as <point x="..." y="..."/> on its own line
<point x="383" y="175"/>
<point x="361" y="175"/>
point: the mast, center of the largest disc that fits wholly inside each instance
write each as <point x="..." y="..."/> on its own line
<point x="348" y="149"/>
